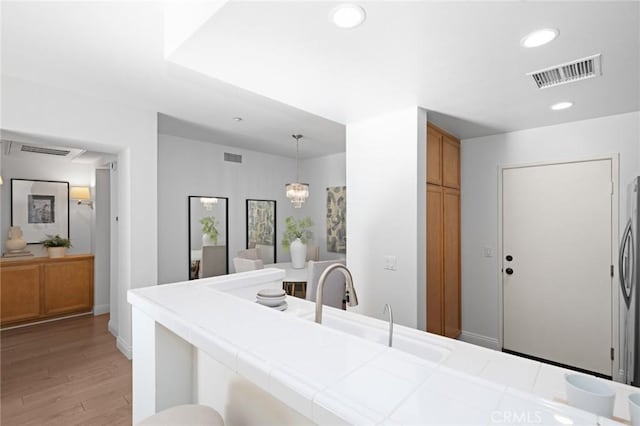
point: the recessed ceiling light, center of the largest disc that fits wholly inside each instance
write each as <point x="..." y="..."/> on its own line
<point x="347" y="16"/>
<point x="539" y="37"/>
<point x="561" y="105"/>
<point x="237" y="118"/>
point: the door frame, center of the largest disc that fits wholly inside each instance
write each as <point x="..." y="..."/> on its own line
<point x="617" y="373"/>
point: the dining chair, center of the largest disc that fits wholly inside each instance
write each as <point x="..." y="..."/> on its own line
<point x="213" y="262"/>
<point x="244" y="265"/>
<point x="334" y="286"/>
<point x="313" y="253"/>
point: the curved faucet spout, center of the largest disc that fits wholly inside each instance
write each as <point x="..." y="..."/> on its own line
<point x="352" y="298"/>
<point x="387" y="308"/>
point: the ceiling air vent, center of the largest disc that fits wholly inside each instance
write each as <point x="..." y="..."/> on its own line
<point x="44" y="150"/>
<point x="233" y="158"/>
<point x="570" y="72"/>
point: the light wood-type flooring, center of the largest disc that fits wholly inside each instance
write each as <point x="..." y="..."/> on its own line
<point x="66" y="372"/>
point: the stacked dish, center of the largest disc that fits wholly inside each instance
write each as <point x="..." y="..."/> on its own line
<point x="272" y="297"/>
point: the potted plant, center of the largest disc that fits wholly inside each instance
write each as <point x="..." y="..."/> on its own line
<point x="295" y="238"/>
<point x="209" y="231"/>
<point x="56" y="245"/>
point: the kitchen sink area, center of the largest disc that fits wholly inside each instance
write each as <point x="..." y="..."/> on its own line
<point x="292" y="370"/>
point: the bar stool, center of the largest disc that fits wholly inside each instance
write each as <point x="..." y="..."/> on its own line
<point x="185" y="415"/>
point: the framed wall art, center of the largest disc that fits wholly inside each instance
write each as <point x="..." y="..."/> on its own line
<point x="261" y="228"/>
<point x="337" y="219"/>
<point x="40" y="208"/>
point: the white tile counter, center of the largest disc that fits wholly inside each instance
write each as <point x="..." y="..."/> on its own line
<point x="327" y="376"/>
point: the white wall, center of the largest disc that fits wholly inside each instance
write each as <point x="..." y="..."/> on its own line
<point x="188" y="167"/>
<point x="386" y="212"/>
<point x="102" y="242"/>
<point x="480" y="158"/>
<point x="42" y="167"/>
<point x="322" y="173"/>
<point x="86" y="122"/>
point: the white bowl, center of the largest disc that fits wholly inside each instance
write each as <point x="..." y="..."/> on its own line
<point x="270" y="301"/>
<point x="590" y="394"/>
<point x="634" y="408"/>
<point x="271" y="292"/>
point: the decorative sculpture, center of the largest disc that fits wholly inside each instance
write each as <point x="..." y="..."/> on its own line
<point x="15" y="244"/>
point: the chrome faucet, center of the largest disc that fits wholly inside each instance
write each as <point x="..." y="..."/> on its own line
<point x="352" y="298"/>
<point x="387" y="307"/>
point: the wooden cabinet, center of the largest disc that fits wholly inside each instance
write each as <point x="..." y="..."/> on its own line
<point x="40" y="288"/>
<point x="443" y="158"/>
<point x="443" y="233"/>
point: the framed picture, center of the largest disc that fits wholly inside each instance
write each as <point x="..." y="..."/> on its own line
<point x="40" y="208"/>
<point x="337" y="219"/>
<point x="261" y="228"/>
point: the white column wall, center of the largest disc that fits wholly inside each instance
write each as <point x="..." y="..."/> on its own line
<point x="107" y="127"/>
<point x="386" y="211"/>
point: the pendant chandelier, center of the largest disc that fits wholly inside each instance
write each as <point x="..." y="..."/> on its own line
<point x="297" y="192"/>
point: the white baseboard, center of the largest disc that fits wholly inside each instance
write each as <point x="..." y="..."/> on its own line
<point x="480" y="340"/>
<point x="124" y="348"/>
<point x="101" y="309"/>
<point x="112" y="330"/>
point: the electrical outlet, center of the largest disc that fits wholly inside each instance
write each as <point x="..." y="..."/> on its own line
<point x="390" y="263"/>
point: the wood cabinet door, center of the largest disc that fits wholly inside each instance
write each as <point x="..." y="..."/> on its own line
<point x="20" y="293"/>
<point x="434" y="260"/>
<point x="434" y="156"/>
<point x="450" y="162"/>
<point x="451" y="251"/>
<point x="68" y="287"/>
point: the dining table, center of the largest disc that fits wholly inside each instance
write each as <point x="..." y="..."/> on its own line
<point x="293" y="277"/>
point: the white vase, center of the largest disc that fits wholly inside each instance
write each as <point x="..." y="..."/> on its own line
<point x="298" y="251"/>
<point x="207" y="240"/>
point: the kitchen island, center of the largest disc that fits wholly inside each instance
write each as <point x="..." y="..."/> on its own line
<point x="208" y="342"/>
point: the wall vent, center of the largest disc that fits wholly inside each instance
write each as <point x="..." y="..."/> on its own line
<point x="26" y="150"/>
<point x="569" y="72"/>
<point x="44" y="150"/>
<point x="233" y="158"/>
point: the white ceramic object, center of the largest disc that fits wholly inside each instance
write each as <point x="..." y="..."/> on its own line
<point x="208" y="241"/>
<point x="15" y="243"/>
<point x="634" y="408"/>
<point x="270" y="301"/>
<point x="298" y="253"/>
<point x="590" y="394"/>
<point x="271" y="292"/>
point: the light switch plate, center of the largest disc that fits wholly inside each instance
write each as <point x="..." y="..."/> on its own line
<point x="390" y="263"/>
<point x="488" y="252"/>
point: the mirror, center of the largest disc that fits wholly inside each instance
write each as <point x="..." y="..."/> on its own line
<point x="208" y="232"/>
<point x="261" y="228"/>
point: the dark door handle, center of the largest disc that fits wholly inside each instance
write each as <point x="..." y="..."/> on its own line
<point x="509" y="258"/>
<point x="509" y="271"/>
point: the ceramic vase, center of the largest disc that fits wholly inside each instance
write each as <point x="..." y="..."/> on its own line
<point x="57" y="251"/>
<point x="208" y="241"/>
<point x="298" y="251"/>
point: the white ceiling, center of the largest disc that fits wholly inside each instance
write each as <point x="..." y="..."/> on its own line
<point x="460" y="60"/>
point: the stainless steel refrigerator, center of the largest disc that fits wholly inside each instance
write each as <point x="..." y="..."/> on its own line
<point x="629" y="265"/>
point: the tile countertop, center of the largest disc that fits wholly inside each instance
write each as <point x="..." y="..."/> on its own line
<point x="333" y="377"/>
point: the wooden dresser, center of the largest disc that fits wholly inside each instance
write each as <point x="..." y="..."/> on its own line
<point x="39" y="288"/>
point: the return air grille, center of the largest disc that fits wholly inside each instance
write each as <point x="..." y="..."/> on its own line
<point x="570" y="72"/>
<point x="233" y="158"/>
<point x="43" y="150"/>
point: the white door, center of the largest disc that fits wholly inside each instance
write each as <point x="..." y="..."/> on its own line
<point x="557" y="287"/>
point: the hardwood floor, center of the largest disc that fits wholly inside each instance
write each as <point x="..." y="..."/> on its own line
<point x="66" y="372"/>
